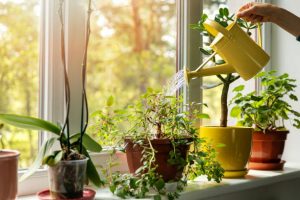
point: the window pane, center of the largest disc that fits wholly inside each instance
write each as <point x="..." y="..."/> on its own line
<point x="19" y="73"/>
<point x="212" y="96"/>
<point x="133" y="47"/>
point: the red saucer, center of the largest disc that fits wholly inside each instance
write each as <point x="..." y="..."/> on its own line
<point x="88" y="194"/>
<point x="266" y="166"/>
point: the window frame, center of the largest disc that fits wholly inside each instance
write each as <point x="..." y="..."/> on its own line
<point x="51" y="77"/>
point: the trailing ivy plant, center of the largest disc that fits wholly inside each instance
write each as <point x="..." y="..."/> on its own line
<point x="223" y="18"/>
<point x="74" y="146"/>
<point x="268" y="110"/>
<point x="157" y="116"/>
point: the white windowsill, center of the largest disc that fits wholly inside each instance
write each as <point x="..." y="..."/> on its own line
<point x="258" y="185"/>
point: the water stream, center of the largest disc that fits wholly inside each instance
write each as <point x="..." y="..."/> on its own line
<point x="175" y="83"/>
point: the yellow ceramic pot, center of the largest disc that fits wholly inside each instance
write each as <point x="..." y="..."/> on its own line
<point x="234" y="152"/>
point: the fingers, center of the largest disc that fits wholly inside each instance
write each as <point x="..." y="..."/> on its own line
<point x="246" y="6"/>
<point x="253" y="12"/>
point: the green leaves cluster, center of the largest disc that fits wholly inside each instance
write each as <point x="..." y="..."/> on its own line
<point x="45" y="156"/>
<point x="201" y="161"/>
<point x="108" y="124"/>
<point x="157" y="116"/>
<point x="268" y="110"/>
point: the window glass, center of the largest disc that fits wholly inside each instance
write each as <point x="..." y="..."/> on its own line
<point x="132" y="47"/>
<point x="19" y="73"/>
<point x="212" y="96"/>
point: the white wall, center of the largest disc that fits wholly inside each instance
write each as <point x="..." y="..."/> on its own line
<point x="285" y="57"/>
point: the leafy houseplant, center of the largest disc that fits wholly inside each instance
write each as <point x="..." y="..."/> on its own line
<point x="73" y="155"/>
<point x="224" y="18"/>
<point x="267" y="112"/>
<point x="234" y="166"/>
<point x="158" y="142"/>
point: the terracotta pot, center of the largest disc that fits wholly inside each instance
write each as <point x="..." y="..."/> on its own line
<point x="162" y="148"/>
<point x="235" y="152"/>
<point x="8" y="174"/>
<point x="268" y="147"/>
<point x="67" y="179"/>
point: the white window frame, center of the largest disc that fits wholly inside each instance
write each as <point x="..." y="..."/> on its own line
<point x="51" y="73"/>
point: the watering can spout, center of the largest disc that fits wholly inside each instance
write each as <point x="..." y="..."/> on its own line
<point x="218" y="69"/>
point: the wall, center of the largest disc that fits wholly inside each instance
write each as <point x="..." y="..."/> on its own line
<point x="285" y="52"/>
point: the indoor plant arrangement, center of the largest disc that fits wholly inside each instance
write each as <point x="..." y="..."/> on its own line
<point x="236" y="141"/>
<point x="68" y="166"/>
<point x="8" y="171"/>
<point x="157" y="146"/>
<point x="266" y="112"/>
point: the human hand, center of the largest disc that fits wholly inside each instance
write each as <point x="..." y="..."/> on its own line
<point x="257" y="12"/>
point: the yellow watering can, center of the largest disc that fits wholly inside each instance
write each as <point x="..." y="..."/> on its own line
<point x="240" y="53"/>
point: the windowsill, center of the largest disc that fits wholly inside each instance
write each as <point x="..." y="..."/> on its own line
<point x="256" y="185"/>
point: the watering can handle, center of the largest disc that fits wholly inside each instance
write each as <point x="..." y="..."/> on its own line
<point x="214" y="28"/>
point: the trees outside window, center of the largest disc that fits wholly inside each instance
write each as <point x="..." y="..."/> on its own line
<point x="19" y="72"/>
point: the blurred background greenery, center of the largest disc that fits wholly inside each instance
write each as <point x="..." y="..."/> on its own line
<point x="132" y="47"/>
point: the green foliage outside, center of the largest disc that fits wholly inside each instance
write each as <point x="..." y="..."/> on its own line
<point x="133" y="47"/>
<point x="19" y="73"/>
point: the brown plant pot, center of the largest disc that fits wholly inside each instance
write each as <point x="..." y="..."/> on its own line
<point x="8" y="174"/>
<point x="267" y="150"/>
<point x="162" y="148"/>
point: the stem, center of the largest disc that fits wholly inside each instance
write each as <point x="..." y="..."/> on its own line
<point x="224" y="107"/>
<point x="66" y="81"/>
<point x="152" y="159"/>
<point x="84" y="102"/>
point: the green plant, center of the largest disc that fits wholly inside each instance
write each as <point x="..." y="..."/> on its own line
<point x="223" y="18"/>
<point x="156" y="116"/>
<point x="266" y="109"/>
<point x="108" y="124"/>
<point x="72" y="146"/>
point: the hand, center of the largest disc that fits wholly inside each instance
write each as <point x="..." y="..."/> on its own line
<point x="257" y="12"/>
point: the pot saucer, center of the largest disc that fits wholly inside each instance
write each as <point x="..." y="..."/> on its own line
<point x="235" y="173"/>
<point x="266" y="166"/>
<point x="88" y="194"/>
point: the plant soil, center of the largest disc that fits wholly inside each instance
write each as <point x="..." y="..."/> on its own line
<point x="67" y="179"/>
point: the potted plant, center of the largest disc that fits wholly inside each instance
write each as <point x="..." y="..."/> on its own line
<point x="8" y="172"/>
<point x="266" y="112"/>
<point x="70" y="166"/>
<point x="157" y="146"/>
<point x="236" y="141"/>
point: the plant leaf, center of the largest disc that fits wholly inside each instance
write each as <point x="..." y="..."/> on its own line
<point x="226" y="12"/>
<point x="205" y="52"/>
<point x="46" y="147"/>
<point x="88" y="142"/>
<point x="293" y="97"/>
<point x="29" y="123"/>
<point x="235" y="111"/>
<point x="159" y="184"/>
<point x="203" y="116"/>
<point x="238" y="88"/>
<point x="91" y="170"/>
<point x="110" y="101"/>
